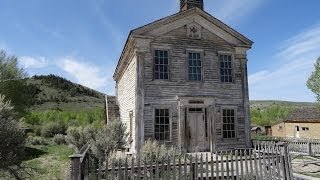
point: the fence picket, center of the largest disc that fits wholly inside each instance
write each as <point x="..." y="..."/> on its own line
<point x="207" y="167"/>
<point x="126" y="175"/>
<point x="222" y="165"/>
<point x="232" y="165"/>
<point x="185" y="167"/>
<point x="201" y="166"/>
<point x="157" y="170"/>
<point x="241" y="165"/>
<point x="196" y="167"/>
<point x="251" y="174"/>
<point x="212" y="165"/>
<point x="227" y="165"/>
<point x="217" y="166"/>
<point x="237" y="165"/>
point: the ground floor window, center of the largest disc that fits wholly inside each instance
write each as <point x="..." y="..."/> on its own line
<point x="228" y="121"/>
<point x="162" y="125"/>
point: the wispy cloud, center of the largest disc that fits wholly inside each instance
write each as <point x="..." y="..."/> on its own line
<point x="84" y="73"/>
<point x="111" y="28"/>
<point x="293" y="65"/>
<point x="29" y="62"/>
<point x="232" y="11"/>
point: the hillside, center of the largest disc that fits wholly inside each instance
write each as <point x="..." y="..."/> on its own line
<point x="271" y="112"/>
<point x="264" y="104"/>
<point x="52" y="92"/>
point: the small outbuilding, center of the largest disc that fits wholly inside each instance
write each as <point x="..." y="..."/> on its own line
<point x="300" y="123"/>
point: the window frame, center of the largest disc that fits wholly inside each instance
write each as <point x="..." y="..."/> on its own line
<point x="154" y="49"/>
<point x="154" y="122"/>
<point x="232" y="66"/>
<point x="235" y="121"/>
<point x="201" y="52"/>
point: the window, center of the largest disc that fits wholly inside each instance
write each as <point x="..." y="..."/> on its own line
<point x="305" y="129"/>
<point x="226" y="68"/>
<point x="195" y="67"/>
<point x="162" y="125"/>
<point x="280" y="128"/>
<point x="228" y="116"/>
<point x="161" y="64"/>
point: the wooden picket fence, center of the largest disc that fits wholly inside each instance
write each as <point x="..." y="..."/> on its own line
<point x="261" y="162"/>
<point x="309" y="147"/>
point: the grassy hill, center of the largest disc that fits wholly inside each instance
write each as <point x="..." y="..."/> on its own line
<point x="56" y="93"/>
<point x="271" y="112"/>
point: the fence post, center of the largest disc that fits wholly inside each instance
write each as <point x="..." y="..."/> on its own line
<point x="75" y="167"/>
<point x="286" y="160"/>
<point x="309" y="148"/>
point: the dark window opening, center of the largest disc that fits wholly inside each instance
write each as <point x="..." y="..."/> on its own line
<point x="228" y="123"/>
<point x="194" y="67"/>
<point x="162" y="125"/>
<point x="161" y="64"/>
<point x="226" y="68"/>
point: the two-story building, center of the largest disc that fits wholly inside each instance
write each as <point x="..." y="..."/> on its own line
<point x="182" y="80"/>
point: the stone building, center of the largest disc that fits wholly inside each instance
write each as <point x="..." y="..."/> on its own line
<point x="182" y="80"/>
<point x="301" y="123"/>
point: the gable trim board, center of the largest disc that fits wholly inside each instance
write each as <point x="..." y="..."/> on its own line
<point x="159" y="27"/>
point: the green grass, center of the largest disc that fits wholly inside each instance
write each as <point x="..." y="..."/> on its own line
<point x="53" y="163"/>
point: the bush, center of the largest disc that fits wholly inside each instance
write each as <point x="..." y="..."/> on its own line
<point x="37" y="140"/>
<point x="152" y="151"/>
<point x="12" y="137"/>
<point x="59" y="139"/>
<point x="108" y="139"/>
<point x="52" y="128"/>
<point x="79" y="136"/>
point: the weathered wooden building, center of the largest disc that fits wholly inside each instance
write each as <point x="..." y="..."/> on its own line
<point x="182" y="80"/>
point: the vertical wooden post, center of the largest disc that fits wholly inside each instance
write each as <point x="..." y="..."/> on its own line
<point x="286" y="161"/>
<point x="309" y="148"/>
<point x="75" y="167"/>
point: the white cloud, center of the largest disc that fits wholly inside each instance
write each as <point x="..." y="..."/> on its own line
<point x="84" y="73"/>
<point x="232" y="11"/>
<point x="29" y="62"/>
<point x="293" y="65"/>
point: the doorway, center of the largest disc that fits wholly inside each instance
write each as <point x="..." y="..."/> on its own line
<point x="197" y="130"/>
<point x="297" y="132"/>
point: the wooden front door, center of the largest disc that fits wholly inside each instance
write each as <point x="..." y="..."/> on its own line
<point x="196" y="125"/>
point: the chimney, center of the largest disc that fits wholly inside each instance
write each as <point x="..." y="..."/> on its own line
<point x="188" y="4"/>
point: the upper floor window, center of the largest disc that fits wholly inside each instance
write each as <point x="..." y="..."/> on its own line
<point x="194" y="67"/>
<point x="162" y="125"/>
<point x="226" y="68"/>
<point x="161" y="64"/>
<point x="228" y="122"/>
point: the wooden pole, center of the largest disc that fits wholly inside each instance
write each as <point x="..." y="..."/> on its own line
<point x="75" y="167"/>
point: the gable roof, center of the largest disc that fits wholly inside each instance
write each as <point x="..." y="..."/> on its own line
<point x="173" y="18"/>
<point x="304" y="114"/>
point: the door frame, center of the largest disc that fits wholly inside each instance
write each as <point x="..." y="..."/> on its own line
<point x="207" y="102"/>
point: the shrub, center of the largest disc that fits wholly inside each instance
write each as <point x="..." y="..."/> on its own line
<point x="109" y="138"/>
<point x="12" y="138"/>
<point x="79" y="136"/>
<point x="37" y="140"/>
<point x="152" y="151"/>
<point x="52" y="128"/>
<point x="59" y="139"/>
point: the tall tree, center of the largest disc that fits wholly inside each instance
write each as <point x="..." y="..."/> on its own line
<point x="9" y="68"/>
<point x="314" y="80"/>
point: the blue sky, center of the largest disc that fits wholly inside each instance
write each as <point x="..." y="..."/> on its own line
<point x="82" y="39"/>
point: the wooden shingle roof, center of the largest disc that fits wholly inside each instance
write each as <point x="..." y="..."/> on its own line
<point x="304" y="114"/>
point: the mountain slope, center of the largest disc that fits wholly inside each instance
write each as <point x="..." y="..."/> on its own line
<point x="40" y="93"/>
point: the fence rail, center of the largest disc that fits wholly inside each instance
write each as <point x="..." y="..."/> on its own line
<point x="264" y="161"/>
<point x="309" y="147"/>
